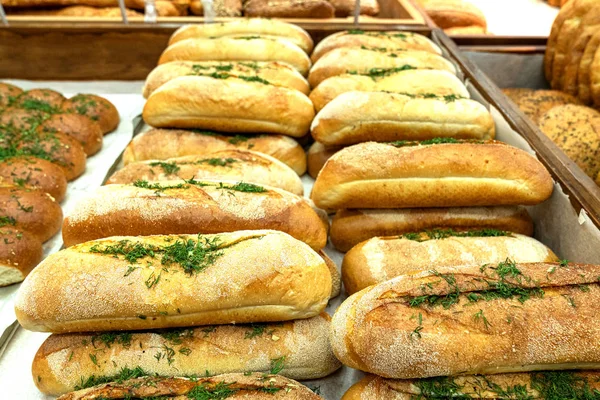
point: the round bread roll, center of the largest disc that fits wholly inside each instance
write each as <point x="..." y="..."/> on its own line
<point x="537" y="103"/>
<point x="41" y="99"/>
<point x="95" y="107"/>
<point x="34" y="173"/>
<point x="19" y="119"/>
<point x="20" y="252"/>
<point x="8" y="94"/>
<point x="79" y="127"/>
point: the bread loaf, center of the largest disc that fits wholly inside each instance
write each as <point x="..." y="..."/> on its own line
<point x="234" y="386"/>
<point x="238" y="165"/>
<point x="79" y="11"/>
<point x="412" y="82"/>
<point x="336" y="279"/>
<point x="382" y="258"/>
<point x="453" y="13"/>
<point x="374" y="39"/>
<point x="276" y="73"/>
<point x="238" y="48"/>
<point x="289" y="8"/>
<point x="96" y="108"/>
<point x="355" y="117"/>
<point x="244" y="27"/>
<point x="302" y="344"/>
<point x="186" y="207"/>
<point x="536" y="103"/>
<point x="20" y="252"/>
<point x="161" y="144"/>
<point x="350" y="227"/>
<point x="317" y="156"/>
<point x="229" y="105"/>
<point x="380" y="175"/>
<point x="81" y="128"/>
<point x="344" y="8"/>
<point x="8" y="94"/>
<point x="364" y="60"/>
<point x="484" y="319"/>
<point x="222" y="8"/>
<point x="34" y="173"/>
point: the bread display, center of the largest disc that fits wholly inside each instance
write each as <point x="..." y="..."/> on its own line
<point x="454" y="14"/>
<point x="236" y="165"/>
<point x="289" y="8"/>
<point x="20" y="252"/>
<point x="222" y="8"/>
<point x="34" y="173"/>
<point x="317" y="155"/>
<point x="500" y="318"/>
<point x="355" y="117"/>
<point x="384" y="175"/>
<point x="186" y="207"/>
<point x="382" y="258"/>
<point x="350" y="227"/>
<point x="162" y="144"/>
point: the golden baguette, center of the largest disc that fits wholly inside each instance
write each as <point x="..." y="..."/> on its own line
<point x="238" y="48"/>
<point x="350" y="227"/>
<point x="382" y="258"/>
<point x="476" y="320"/>
<point x="234" y="386"/>
<point x="187" y="207"/>
<point x="355" y="117"/>
<point x="302" y="344"/>
<point x="362" y="60"/>
<point x="412" y="81"/>
<point x="161" y="144"/>
<point x="236" y="165"/>
<point x="247" y="26"/>
<point x="381" y="175"/>
<point x="153" y="282"/>
<point x="379" y="39"/>
<point x="276" y="73"/>
<point x="229" y="105"/>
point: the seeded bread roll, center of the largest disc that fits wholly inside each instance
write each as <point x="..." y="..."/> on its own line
<point x="355" y="117"/>
<point x="380" y="39"/>
<point x="380" y="175"/>
<point x="20" y="252"/>
<point x="152" y="282"/>
<point x="350" y="227"/>
<point x="478" y="320"/>
<point x="363" y="60"/>
<point x="229" y="105"/>
<point x="317" y="156"/>
<point x="79" y="127"/>
<point x="177" y="207"/>
<point x="536" y="103"/>
<point x="34" y="173"/>
<point x="382" y="258"/>
<point x="8" y="94"/>
<point x="161" y="144"/>
<point x="247" y="27"/>
<point x="238" y="48"/>
<point x="276" y="73"/>
<point x="96" y="108"/>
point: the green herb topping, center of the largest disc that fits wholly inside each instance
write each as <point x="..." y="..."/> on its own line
<point x="238" y="187"/>
<point x="441" y="140"/>
<point x="169" y="168"/>
<point x="277" y="365"/>
<point x="437" y="234"/>
<point x="123" y="375"/>
<point x="375" y="73"/>
<point x="5" y="221"/>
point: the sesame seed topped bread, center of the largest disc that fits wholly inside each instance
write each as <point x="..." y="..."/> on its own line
<point x="536" y="103"/>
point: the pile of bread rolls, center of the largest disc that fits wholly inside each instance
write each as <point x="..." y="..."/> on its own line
<point x="44" y="141"/>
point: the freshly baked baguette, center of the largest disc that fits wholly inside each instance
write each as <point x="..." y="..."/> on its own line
<point x="31" y="210"/>
<point x="244" y="27"/>
<point x="303" y="344"/>
<point x="382" y="175"/>
<point x="34" y="173"/>
<point x="412" y="82"/>
<point x="161" y="144"/>
<point x="382" y="258"/>
<point x="317" y="156"/>
<point x="238" y="48"/>
<point x="20" y="252"/>
<point x="229" y="105"/>
<point x="233" y="386"/>
<point x="355" y="117"/>
<point x="186" y="207"/>
<point x="152" y="282"/>
<point x="81" y="128"/>
<point x="8" y="94"/>
<point x="336" y="279"/>
<point x="478" y="320"/>
<point x="276" y="73"/>
<point x="374" y="39"/>
<point x="289" y="8"/>
<point x="350" y="227"/>
<point x="364" y="60"/>
<point x="96" y="108"/>
<point x="238" y="165"/>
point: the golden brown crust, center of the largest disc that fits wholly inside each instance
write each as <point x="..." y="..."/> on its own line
<point x="562" y="16"/>
<point x="317" y="156"/>
<point x="289" y="9"/>
<point x="96" y="108"/>
<point x="76" y="11"/>
<point x="79" y="127"/>
<point x="378" y="175"/>
<point x="20" y="252"/>
<point x="222" y="8"/>
<point x="345" y="8"/>
<point x="8" y="93"/>
<point x="48" y="97"/>
<point x="34" y="173"/>
<point x="453" y="13"/>
<point x="336" y="278"/>
<point x="585" y="69"/>
<point x="350" y="227"/>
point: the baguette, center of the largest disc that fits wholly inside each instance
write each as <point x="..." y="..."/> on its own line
<point x="230" y="105"/>
<point x="317" y="156"/>
<point x="355" y="117"/>
<point x="96" y="108"/>
<point x="245" y="276"/>
<point x="247" y="26"/>
<point x="238" y="165"/>
<point x="31" y="210"/>
<point x="161" y="144"/>
<point x="276" y="73"/>
<point x="476" y="320"/>
<point x="374" y="39"/>
<point x="350" y="227"/>
<point x="382" y="258"/>
<point x="233" y="386"/>
<point x="363" y="60"/>
<point x="8" y="94"/>
<point x="289" y="8"/>
<point x="303" y="344"/>
<point x="412" y="82"/>
<point x="79" y="127"/>
<point x="238" y="48"/>
<point x="20" y="252"/>
<point x="380" y="175"/>
<point x="34" y="173"/>
<point x="186" y="207"/>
